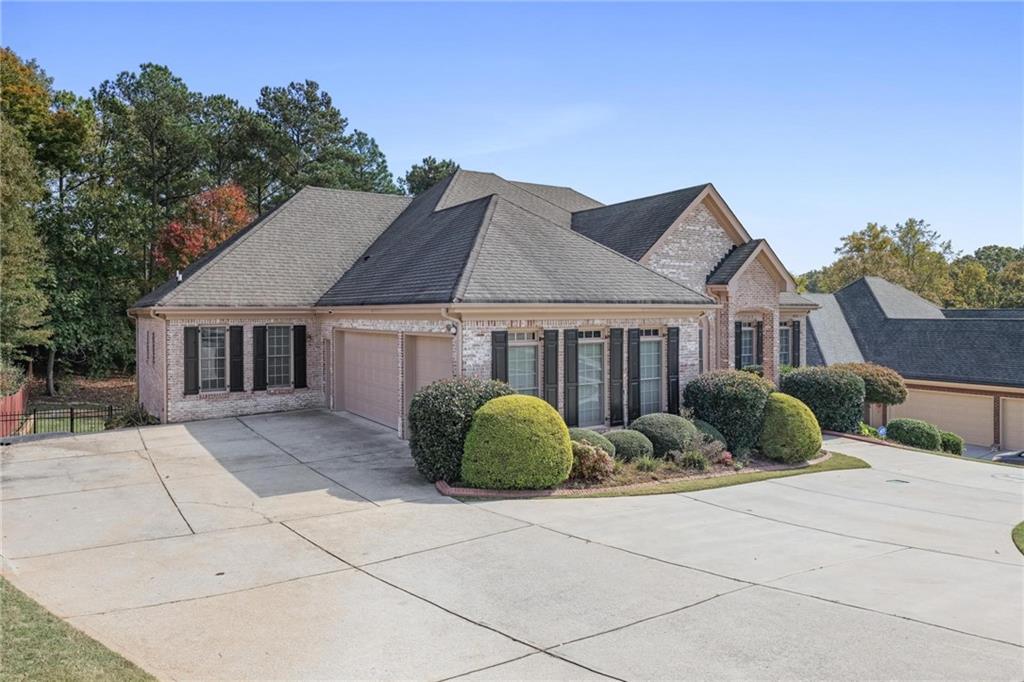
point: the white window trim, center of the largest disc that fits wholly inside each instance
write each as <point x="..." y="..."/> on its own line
<point x="227" y="359"/>
<point x="530" y="339"/>
<point x="291" y="357"/>
<point x="595" y="341"/>
<point x="748" y="327"/>
<point x="652" y="336"/>
<point x="788" y="346"/>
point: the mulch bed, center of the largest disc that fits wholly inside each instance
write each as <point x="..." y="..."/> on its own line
<point x="75" y="390"/>
<point x="575" y="490"/>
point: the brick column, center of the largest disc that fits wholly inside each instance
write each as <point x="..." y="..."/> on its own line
<point x="770" y="352"/>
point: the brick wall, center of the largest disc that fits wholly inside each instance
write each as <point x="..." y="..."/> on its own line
<point x="208" y="405"/>
<point x="754" y="297"/>
<point x="150" y="354"/>
<point x="690" y="249"/>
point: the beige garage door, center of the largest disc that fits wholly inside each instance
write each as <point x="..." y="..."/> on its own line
<point x="366" y="376"/>
<point x="1012" y="421"/>
<point x="969" y="416"/>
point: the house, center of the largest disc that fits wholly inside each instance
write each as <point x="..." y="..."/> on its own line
<point x="964" y="368"/>
<point x="353" y="300"/>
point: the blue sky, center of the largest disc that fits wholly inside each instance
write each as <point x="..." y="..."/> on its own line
<point x="811" y="119"/>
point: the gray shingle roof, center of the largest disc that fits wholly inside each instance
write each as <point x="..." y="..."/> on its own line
<point x="287" y="258"/>
<point x="564" y="197"/>
<point x="633" y="227"/>
<point x="732" y="262"/>
<point x="967" y="350"/>
<point x="470" y="185"/>
<point x="792" y="299"/>
<point x="833" y="340"/>
<point x="986" y="313"/>
<point x="900" y="303"/>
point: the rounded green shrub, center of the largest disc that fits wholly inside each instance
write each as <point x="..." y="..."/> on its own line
<point x="516" y="442"/>
<point x="951" y="443"/>
<point x="733" y="402"/>
<point x="915" y="433"/>
<point x="667" y="432"/>
<point x="790" y="433"/>
<point x="835" y="396"/>
<point x="881" y="384"/>
<point x="594" y="438"/>
<point x="439" y="419"/>
<point x="630" y="445"/>
<point x="590" y="464"/>
<point x="709" y="432"/>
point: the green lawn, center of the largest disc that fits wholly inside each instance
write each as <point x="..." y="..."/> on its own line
<point x="1018" y="536"/>
<point x="36" y="645"/>
<point x="836" y="462"/>
<point x="55" y="418"/>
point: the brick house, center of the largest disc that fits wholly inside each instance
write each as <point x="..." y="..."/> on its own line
<point x="353" y="300"/>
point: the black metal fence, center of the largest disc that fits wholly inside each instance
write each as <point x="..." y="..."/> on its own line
<point x="83" y="419"/>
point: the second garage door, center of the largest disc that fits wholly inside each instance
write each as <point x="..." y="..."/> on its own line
<point x="969" y="416"/>
<point x="366" y="382"/>
<point x="1013" y="423"/>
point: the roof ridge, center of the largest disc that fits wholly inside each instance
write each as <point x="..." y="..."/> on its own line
<point x="469" y="265"/>
<point x="508" y="182"/>
<point x="334" y="190"/>
<point x="702" y="186"/>
<point x="520" y="183"/>
<point x="608" y="249"/>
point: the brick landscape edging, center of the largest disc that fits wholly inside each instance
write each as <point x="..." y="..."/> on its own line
<point x="484" y="493"/>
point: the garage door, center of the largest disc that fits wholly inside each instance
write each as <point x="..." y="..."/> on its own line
<point x="1012" y="421"/>
<point x="969" y="416"/>
<point x="427" y="359"/>
<point x="366" y="380"/>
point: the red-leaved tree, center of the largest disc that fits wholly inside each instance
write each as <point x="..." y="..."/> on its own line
<point x="208" y="219"/>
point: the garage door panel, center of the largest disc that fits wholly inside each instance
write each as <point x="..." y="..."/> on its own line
<point x="969" y="416"/>
<point x="1012" y="421"/>
<point x="369" y="376"/>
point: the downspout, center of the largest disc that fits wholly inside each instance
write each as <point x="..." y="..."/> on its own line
<point x="457" y="323"/>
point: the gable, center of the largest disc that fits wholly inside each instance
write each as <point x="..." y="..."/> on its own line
<point x="691" y="248"/>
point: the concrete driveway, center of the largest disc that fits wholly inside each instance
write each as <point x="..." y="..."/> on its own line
<point x="304" y="545"/>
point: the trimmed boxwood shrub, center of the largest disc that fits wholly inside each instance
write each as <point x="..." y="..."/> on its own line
<point x="439" y="419"/>
<point x="709" y="432"/>
<point x="915" y="433"/>
<point x="881" y="384"/>
<point x="667" y="432"/>
<point x="733" y="402"/>
<point x="835" y="396"/>
<point x="517" y="441"/>
<point x="791" y="433"/>
<point x="951" y="443"/>
<point x="594" y="438"/>
<point x="590" y="464"/>
<point x="630" y="445"/>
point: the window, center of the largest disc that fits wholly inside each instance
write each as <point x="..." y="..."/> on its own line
<point x="746" y="346"/>
<point x="785" y="344"/>
<point x="522" y="362"/>
<point x="279" y="356"/>
<point x="212" y="358"/>
<point x="650" y="371"/>
<point x="590" y="377"/>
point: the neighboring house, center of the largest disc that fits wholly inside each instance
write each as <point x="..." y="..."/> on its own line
<point x="964" y="368"/>
<point x="352" y="301"/>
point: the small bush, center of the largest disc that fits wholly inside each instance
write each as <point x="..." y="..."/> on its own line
<point x="868" y="430"/>
<point x="709" y="432"/>
<point x="835" y="396"/>
<point x="791" y="433"/>
<point x="594" y="438"/>
<point x="133" y="416"/>
<point x="646" y="463"/>
<point x="881" y="384"/>
<point x="951" y="443"/>
<point x="11" y="378"/>
<point x="915" y="433"/>
<point x="590" y="464"/>
<point x="785" y="369"/>
<point x="753" y="369"/>
<point x="694" y="461"/>
<point x="713" y="450"/>
<point x="630" y="445"/>
<point x="439" y="419"/>
<point x="732" y="402"/>
<point x="515" y="442"/>
<point x="666" y="432"/>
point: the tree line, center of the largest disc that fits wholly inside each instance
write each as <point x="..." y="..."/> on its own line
<point x="103" y="196"/>
<point x="915" y="256"/>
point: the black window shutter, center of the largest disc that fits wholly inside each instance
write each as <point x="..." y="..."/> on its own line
<point x="633" y="369"/>
<point x="499" y="356"/>
<point x="299" y="355"/>
<point x="759" y="344"/>
<point x="191" y="360"/>
<point x="673" y="370"/>
<point x="551" y="367"/>
<point x="615" y="375"/>
<point x="794" y="354"/>
<point x="572" y="385"/>
<point x="739" y="345"/>
<point x="259" y="358"/>
<point x="700" y="350"/>
<point x="235" y="359"/>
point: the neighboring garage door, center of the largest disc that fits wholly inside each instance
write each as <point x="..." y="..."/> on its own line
<point x="969" y="416"/>
<point x="366" y="376"/>
<point x="427" y="359"/>
<point x="1012" y="421"/>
